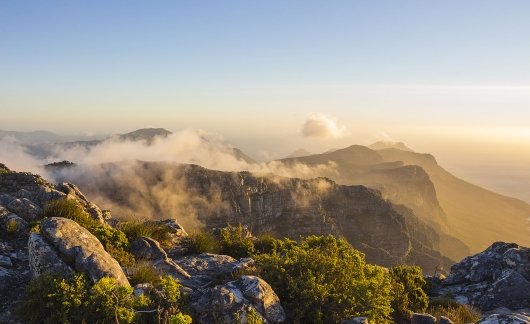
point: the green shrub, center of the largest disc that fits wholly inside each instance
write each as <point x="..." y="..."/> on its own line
<point x="443" y="302"/>
<point x="201" y="241"/>
<point x="124" y="258"/>
<point x="180" y="319"/>
<point x="52" y="299"/>
<point x="71" y="209"/>
<point x="234" y="244"/>
<point x="110" y="236"/>
<point x="12" y="228"/>
<point x="134" y="229"/>
<point x="323" y="280"/>
<point x="408" y="295"/>
<point x="459" y="314"/>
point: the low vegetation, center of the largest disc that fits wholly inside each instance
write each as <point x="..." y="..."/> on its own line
<point x="135" y="228"/>
<point x="53" y="299"/>
<point x="201" y="241"/>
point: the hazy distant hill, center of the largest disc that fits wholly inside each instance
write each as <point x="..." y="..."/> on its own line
<point x="389" y="144"/>
<point x="39" y="137"/>
<point x="299" y="153"/>
<point x="478" y="216"/>
<point x="473" y="214"/>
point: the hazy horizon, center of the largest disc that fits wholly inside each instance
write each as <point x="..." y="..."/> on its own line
<point x="451" y="79"/>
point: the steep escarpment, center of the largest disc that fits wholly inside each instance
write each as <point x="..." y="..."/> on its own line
<point x="289" y="207"/>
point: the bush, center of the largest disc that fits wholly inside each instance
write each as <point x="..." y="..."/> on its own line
<point x="264" y="242"/>
<point x="134" y="229"/>
<point x="323" y="280"/>
<point x="145" y="272"/>
<point x="201" y="241"/>
<point x="234" y="244"/>
<point x="52" y="299"/>
<point x="71" y="209"/>
<point x="124" y="258"/>
<point x="110" y="236"/>
<point x="408" y="295"/>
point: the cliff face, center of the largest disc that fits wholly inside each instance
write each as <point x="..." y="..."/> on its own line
<point x="289" y="207"/>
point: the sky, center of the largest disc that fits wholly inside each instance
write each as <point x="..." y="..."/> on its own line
<point x="451" y="78"/>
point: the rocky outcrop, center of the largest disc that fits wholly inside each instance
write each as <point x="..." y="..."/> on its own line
<point x="421" y="318"/>
<point x="214" y="265"/>
<point x="498" y="277"/>
<point x="85" y="250"/>
<point x="237" y="298"/>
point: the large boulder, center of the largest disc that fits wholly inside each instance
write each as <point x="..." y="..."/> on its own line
<point x="83" y="248"/>
<point x="496" y="278"/>
<point x="44" y="258"/>
<point x="422" y="318"/>
<point x="215" y="265"/>
<point x="237" y="299"/>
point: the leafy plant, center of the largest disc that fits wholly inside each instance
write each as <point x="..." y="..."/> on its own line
<point x="145" y="272"/>
<point x="12" y="228"/>
<point x="110" y="236"/>
<point x="201" y="241"/>
<point x="409" y="297"/>
<point x="264" y="242"/>
<point x="323" y="280"/>
<point x="234" y="244"/>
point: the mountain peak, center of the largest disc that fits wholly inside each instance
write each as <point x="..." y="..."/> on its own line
<point x="299" y="153"/>
<point x="389" y="144"/>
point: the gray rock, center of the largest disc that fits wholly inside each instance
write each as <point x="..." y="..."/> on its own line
<point x="141" y="289"/>
<point x="445" y="320"/>
<point x="47" y="194"/>
<point x="146" y="248"/>
<point x="213" y="264"/>
<point x="505" y="319"/>
<point x="24" y="208"/>
<point x="23" y="193"/>
<point x="6" y="199"/>
<point x="225" y="302"/>
<point x="263" y="298"/>
<point x="355" y="320"/>
<point x="510" y="290"/>
<point x="88" y="254"/>
<point x="20" y="225"/>
<point x="421" y="318"/>
<point x="44" y="258"/>
<point x="5" y="261"/>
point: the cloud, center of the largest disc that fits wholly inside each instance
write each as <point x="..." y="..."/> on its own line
<point x="318" y="125"/>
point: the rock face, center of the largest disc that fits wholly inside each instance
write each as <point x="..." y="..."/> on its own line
<point x="419" y="318"/>
<point x="497" y="277"/>
<point x="225" y="302"/>
<point x="44" y="258"/>
<point x="289" y="207"/>
<point x="215" y="265"/>
<point x="84" y="248"/>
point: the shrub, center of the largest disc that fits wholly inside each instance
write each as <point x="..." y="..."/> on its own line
<point x="110" y="236"/>
<point x="134" y="229"/>
<point x="201" y="241"/>
<point x="71" y="209"/>
<point x="52" y="299"/>
<point x="323" y="280"/>
<point x="12" y="228"/>
<point x="408" y="295"/>
<point x="180" y="319"/>
<point x="124" y="258"/>
<point x="459" y="314"/>
<point x="234" y="244"/>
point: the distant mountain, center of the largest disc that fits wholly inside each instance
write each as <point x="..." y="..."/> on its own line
<point x="460" y="211"/>
<point x="39" y="137"/>
<point x="298" y="153"/>
<point x="331" y="150"/>
<point x="389" y="144"/>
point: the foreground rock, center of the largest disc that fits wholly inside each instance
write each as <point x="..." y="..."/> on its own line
<point x="505" y="319"/>
<point x="238" y="298"/>
<point x="214" y="265"/>
<point x="498" y="277"/>
<point x="85" y="250"/>
<point x="44" y="258"/>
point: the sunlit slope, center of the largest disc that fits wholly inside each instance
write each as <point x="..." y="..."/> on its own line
<point x="479" y="217"/>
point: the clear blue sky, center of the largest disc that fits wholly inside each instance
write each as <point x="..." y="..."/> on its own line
<point x="249" y="69"/>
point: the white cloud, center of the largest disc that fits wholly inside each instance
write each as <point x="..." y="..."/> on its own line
<point x="318" y="125"/>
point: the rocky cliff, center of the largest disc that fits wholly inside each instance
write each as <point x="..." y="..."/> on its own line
<point x="290" y="207"/>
